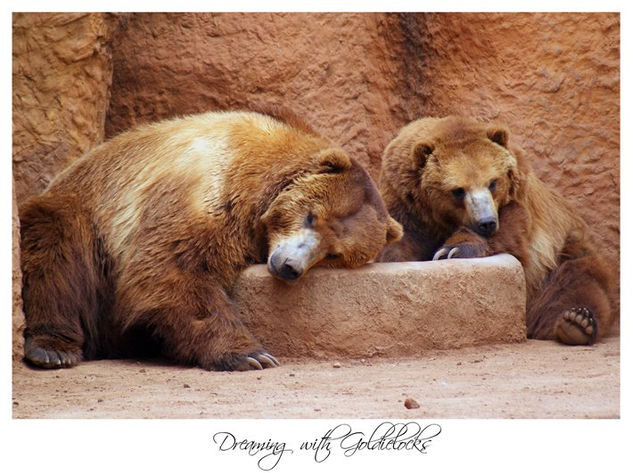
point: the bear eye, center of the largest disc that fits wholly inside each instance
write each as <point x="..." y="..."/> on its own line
<point x="333" y="255"/>
<point x="310" y="218"/>
<point x="493" y="185"/>
<point x="459" y="193"/>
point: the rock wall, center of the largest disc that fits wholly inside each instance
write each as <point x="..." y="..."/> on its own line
<point x="18" y="314"/>
<point x="62" y="69"/>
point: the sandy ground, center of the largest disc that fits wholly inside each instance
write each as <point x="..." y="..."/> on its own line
<point x="537" y="379"/>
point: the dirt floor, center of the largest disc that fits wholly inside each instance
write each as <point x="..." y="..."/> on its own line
<point x="537" y="379"/>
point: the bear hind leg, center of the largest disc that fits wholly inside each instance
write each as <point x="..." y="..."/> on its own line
<point x="573" y="306"/>
<point x="58" y="282"/>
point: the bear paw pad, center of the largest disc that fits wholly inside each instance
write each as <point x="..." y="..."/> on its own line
<point x="577" y="326"/>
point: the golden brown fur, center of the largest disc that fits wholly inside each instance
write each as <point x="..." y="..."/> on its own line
<point x="459" y="190"/>
<point x="137" y="244"/>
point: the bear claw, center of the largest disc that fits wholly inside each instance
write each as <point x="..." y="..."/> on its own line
<point x="254" y="363"/>
<point x="577" y="326"/>
<point x="268" y="361"/>
<point x="258" y="360"/>
<point x="441" y="253"/>
<point x="261" y="360"/>
<point x="460" y="251"/>
<point x="264" y="360"/>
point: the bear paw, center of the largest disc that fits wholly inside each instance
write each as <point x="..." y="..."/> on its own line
<point x="577" y="326"/>
<point x="257" y="360"/>
<point x="49" y="352"/>
<point x="464" y="250"/>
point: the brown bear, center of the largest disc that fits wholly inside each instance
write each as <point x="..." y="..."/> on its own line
<point x="460" y="191"/>
<point x="136" y="245"/>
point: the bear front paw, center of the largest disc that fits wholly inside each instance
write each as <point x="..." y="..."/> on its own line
<point x="257" y="360"/>
<point x="464" y="250"/>
<point x="51" y="353"/>
<point x="577" y="326"/>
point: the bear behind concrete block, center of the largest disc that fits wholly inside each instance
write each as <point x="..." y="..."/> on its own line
<point x="460" y="191"/>
<point x="136" y="245"/>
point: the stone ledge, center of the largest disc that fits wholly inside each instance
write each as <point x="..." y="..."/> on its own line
<point x="386" y="309"/>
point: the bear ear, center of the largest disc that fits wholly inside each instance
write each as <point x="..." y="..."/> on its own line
<point x="421" y="152"/>
<point x="332" y="161"/>
<point x="394" y="230"/>
<point x="499" y="135"/>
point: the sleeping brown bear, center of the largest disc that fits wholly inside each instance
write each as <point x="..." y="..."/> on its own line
<point x="460" y="191"/>
<point x="137" y="244"/>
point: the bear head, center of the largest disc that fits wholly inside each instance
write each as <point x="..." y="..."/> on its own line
<point x="329" y="215"/>
<point x="453" y="172"/>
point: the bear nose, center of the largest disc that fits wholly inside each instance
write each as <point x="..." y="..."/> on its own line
<point x="289" y="271"/>
<point x="487" y="227"/>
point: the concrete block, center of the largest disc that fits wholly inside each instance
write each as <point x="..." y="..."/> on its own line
<point x="386" y="309"/>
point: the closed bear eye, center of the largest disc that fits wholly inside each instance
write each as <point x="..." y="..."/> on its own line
<point x="333" y="255"/>
<point x="493" y="185"/>
<point x="459" y="193"/>
<point x="310" y="219"/>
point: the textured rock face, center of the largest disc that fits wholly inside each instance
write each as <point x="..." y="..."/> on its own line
<point x="386" y="309"/>
<point x="62" y="70"/>
<point x="18" y="314"/>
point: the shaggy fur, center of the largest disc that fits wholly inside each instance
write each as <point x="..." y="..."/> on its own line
<point x="136" y="245"/>
<point x="441" y="176"/>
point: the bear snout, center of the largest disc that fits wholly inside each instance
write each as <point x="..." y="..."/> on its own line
<point x="482" y="212"/>
<point x="286" y="269"/>
<point x="294" y="255"/>
<point x="290" y="271"/>
<point x="486" y="227"/>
